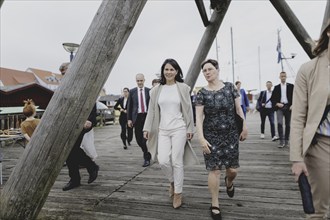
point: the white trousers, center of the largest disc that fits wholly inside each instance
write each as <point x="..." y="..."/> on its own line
<point x="170" y="155"/>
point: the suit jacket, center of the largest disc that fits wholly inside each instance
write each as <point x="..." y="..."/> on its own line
<point x="276" y="95"/>
<point x="91" y="118"/>
<point x="263" y="97"/>
<point x="120" y="105"/>
<point x="310" y="97"/>
<point x="153" y="119"/>
<point x="133" y="103"/>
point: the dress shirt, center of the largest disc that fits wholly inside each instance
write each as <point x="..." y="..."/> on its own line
<point x="284" y="99"/>
<point x="124" y="103"/>
<point x="144" y="100"/>
<point x="268" y="95"/>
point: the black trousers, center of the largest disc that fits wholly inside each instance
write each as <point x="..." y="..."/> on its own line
<point x="264" y="112"/>
<point x="78" y="157"/>
<point x="126" y="132"/>
<point x="138" y="130"/>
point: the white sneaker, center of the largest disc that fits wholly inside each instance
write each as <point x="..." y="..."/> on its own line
<point x="262" y="136"/>
<point x="275" y="138"/>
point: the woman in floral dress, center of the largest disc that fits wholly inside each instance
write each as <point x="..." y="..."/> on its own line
<point x="216" y="106"/>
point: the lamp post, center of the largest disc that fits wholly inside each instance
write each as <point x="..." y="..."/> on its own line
<point x="71" y="48"/>
<point x="293" y="55"/>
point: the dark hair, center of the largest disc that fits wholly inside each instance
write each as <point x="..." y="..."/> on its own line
<point x="211" y="61"/>
<point x="155" y="81"/>
<point x="179" y="75"/>
<point x="237" y="82"/>
<point x="322" y="43"/>
<point x="269" y="82"/>
<point x="126" y="89"/>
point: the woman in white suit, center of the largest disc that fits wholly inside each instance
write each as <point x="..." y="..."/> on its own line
<point x="310" y="125"/>
<point x="168" y="126"/>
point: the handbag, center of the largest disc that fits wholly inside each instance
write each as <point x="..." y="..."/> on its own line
<point x="259" y="103"/>
<point x="239" y="120"/>
<point x="87" y="144"/>
<point x="306" y="195"/>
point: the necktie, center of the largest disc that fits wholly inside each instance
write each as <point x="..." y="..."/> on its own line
<point x="141" y="101"/>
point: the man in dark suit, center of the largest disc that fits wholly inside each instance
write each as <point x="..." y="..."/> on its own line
<point x="267" y="110"/>
<point x="137" y="108"/>
<point x="121" y="105"/>
<point x="282" y="100"/>
<point x="77" y="156"/>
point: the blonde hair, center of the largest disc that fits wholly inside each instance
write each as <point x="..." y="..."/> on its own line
<point x="29" y="108"/>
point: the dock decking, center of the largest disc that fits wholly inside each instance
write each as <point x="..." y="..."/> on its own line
<point x="125" y="190"/>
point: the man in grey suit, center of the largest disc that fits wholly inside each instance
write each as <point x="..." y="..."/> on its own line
<point x="137" y="108"/>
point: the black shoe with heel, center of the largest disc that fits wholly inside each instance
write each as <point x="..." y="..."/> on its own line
<point x="230" y="190"/>
<point x="215" y="215"/>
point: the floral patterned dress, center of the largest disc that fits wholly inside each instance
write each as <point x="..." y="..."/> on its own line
<point x="219" y="126"/>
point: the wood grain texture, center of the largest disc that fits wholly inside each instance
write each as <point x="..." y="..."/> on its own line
<point x="265" y="188"/>
<point x="35" y="173"/>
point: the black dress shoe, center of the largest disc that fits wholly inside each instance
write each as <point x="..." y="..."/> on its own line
<point x="93" y="175"/>
<point x="125" y="147"/>
<point x="146" y="163"/>
<point x="70" y="185"/>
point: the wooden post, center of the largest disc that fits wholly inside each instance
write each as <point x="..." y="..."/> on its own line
<point x="206" y="42"/>
<point x="295" y="26"/>
<point x="30" y="182"/>
<point x="326" y="17"/>
<point x="202" y="12"/>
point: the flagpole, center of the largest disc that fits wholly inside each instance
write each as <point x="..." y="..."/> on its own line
<point x="232" y="54"/>
<point x="259" y="68"/>
<point x="279" y="50"/>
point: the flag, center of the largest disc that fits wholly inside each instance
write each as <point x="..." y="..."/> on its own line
<point x="278" y="47"/>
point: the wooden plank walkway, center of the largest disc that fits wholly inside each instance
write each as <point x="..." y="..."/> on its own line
<point x="125" y="190"/>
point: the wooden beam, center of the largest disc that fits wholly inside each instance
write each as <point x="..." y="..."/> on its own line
<point x="206" y="42"/>
<point x="295" y="26"/>
<point x="28" y="186"/>
<point x="326" y="17"/>
<point x="202" y="12"/>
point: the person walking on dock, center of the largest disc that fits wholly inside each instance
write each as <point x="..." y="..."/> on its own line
<point x="216" y="106"/>
<point x="126" y="134"/>
<point x="266" y="110"/>
<point x="243" y="98"/>
<point x="77" y="156"/>
<point x="281" y="101"/>
<point x="137" y="108"/>
<point x="310" y="130"/>
<point x="170" y="126"/>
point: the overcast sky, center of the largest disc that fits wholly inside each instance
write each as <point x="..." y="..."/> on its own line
<point x="32" y="33"/>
